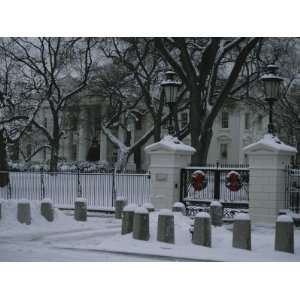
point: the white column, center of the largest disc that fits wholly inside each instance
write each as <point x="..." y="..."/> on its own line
<point x="83" y="134"/>
<point x="268" y="159"/>
<point x="103" y="146"/>
<point x="131" y="164"/>
<point x="167" y="158"/>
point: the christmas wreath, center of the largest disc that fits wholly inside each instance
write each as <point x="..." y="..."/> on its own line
<point x="199" y="180"/>
<point x="233" y="181"/>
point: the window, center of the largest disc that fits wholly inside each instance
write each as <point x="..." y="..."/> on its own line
<point x="225" y="119"/>
<point x="184" y="119"/>
<point x="74" y="152"/>
<point x="247" y="121"/>
<point x="260" y="122"/>
<point x="138" y="123"/>
<point x="223" y="151"/>
<point x="44" y="154"/>
<point x="28" y="150"/>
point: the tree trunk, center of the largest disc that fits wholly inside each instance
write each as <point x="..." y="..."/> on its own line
<point x="55" y="145"/>
<point x="200" y="157"/>
<point x="157" y="129"/>
<point x="4" y="175"/>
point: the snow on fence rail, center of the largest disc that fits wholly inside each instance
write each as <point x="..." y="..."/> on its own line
<point x="64" y="187"/>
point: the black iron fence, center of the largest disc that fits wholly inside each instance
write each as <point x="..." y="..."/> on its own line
<point x="100" y="189"/>
<point x="292" y="191"/>
<point x="227" y="183"/>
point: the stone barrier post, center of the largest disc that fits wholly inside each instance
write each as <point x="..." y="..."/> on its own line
<point x="242" y="231"/>
<point x="127" y="219"/>
<point x="120" y="203"/>
<point x="80" y="213"/>
<point x="179" y="207"/>
<point x="141" y="224"/>
<point x="24" y="213"/>
<point x="165" y="227"/>
<point x="47" y="210"/>
<point x="202" y="230"/>
<point x="216" y="213"/>
<point x="284" y="236"/>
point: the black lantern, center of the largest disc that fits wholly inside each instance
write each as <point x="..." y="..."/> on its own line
<point x="272" y="84"/>
<point x="170" y="87"/>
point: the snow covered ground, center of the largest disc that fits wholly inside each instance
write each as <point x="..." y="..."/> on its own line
<point x="99" y="239"/>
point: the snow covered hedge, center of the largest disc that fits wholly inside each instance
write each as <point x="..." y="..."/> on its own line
<point x="83" y="166"/>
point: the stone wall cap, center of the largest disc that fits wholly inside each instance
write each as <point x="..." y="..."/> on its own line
<point x="242" y="216"/>
<point x="165" y="212"/>
<point x="141" y="210"/>
<point x="270" y="143"/>
<point x="202" y="214"/>
<point x="130" y="207"/>
<point x="80" y="199"/>
<point x="172" y="144"/>
<point x="178" y="204"/>
<point x="285" y="219"/>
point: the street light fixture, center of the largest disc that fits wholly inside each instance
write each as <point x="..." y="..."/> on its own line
<point x="272" y="84"/>
<point x="170" y="87"/>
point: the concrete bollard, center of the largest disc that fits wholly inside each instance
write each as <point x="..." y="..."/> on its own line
<point x="80" y="213"/>
<point x="47" y="210"/>
<point x="24" y="213"/>
<point x="179" y="207"/>
<point x="127" y="219"/>
<point x="284" y="236"/>
<point x="149" y="206"/>
<point x="241" y="231"/>
<point x="141" y="224"/>
<point x="165" y="227"/>
<point x="216" y="213"/>
<point x="120" y="203"/>
<point x="202" y="229"/>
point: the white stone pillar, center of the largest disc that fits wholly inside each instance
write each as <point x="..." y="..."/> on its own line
<point x="83" y="134"/>
<point x="268" y="159"/>
<point x="103" y="146"/>
<point x="69" y="145"/>
<point x="167" y="158"/>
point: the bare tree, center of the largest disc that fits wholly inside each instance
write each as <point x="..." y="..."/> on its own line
<point x="211" y="70"/>
<point x="58" y="69"/>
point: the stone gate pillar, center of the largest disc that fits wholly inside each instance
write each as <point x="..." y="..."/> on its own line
<point x="268" y="159"/>
<point x="83" y="134"/>
<point x="167" y="157"/>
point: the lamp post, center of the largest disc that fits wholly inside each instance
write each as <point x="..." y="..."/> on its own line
<point x="170" y="87"/>
<point x="271" y="83"/>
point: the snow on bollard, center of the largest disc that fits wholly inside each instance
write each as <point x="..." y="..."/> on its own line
<point x="47" y="209"/>
<point x="149" y="206"/>
<point x="242" y="231"/>
<point x="24" y="212"/>
<point x="179" y="207"/>
<point x="80" y="213"/>
<point x="165" y="227"/>
<point x="141" y="224"/>
<point x="284" y="236"/>
<point x="120" y="203"/>
<point x="216" y="213"/>
<point x="202" y="229"/>
<point x="127" y="219"/>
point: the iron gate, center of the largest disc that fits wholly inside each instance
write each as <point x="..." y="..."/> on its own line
<point x="216" y="177"/>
